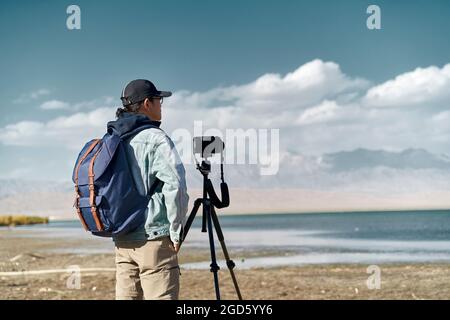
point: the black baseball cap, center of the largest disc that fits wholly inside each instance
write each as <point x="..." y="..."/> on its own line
<point x="138" y="90"/>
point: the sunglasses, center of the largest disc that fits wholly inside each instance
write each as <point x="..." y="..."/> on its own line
<point x="161" y="99"/>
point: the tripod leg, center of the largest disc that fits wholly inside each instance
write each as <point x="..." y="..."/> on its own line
<point x="230" y="263"/>
<point x="214" y="266"/>
<point x="204" y="214"/>
<point x="189" y="221"/>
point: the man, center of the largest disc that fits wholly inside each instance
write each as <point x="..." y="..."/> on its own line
<point x="146" y="259"/>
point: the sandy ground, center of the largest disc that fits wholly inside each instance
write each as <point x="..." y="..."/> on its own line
<point x="415" y="281"/>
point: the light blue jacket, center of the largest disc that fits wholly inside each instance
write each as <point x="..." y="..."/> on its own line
<point x="152" y="154"/>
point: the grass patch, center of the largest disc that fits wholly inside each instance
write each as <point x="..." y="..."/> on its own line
<point x="21" y="220"/>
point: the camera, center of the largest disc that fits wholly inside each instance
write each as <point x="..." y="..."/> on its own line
<point x="208" y="145"/>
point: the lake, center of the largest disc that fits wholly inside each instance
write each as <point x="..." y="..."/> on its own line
<point x="316" y="238"/>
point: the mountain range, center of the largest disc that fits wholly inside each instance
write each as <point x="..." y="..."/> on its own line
<point x="346" y="180"/>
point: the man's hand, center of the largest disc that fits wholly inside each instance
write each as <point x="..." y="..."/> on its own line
<point x="176" y="246"/>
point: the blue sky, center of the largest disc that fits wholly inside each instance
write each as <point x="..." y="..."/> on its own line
<point x="201" y="44"/>
<point x="197" y="46"/>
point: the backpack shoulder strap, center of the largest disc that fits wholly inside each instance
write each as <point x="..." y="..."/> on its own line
<point x="134" y="132"/>
<point x="94" y="211"/>
<point x="155" y="185"/>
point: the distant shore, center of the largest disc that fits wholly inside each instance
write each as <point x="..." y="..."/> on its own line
<point x="66" y="219"/>
<point x="21" y="220"/>
<point x="249" y="201"/>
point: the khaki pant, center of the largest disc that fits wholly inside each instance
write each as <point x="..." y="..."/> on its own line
<point x="147" y="269"/>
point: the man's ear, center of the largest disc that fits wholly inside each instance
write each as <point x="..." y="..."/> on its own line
<point x="147" y="103"/>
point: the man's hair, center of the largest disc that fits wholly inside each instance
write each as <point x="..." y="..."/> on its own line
<point x="132" y="108"/>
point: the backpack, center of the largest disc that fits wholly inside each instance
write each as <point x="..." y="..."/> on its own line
<point x="107" y="201"/>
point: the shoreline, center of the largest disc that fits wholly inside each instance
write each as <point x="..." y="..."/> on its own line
<point x="250" y="201"/>
<point x="317" y="282"/>
<point x="227" y="214"/>
<point x="313" y="281"/>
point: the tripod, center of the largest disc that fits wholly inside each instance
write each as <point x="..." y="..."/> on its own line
<point x="209" y="218"/>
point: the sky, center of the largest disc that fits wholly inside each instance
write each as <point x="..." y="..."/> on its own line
<point x="311" y="69"/>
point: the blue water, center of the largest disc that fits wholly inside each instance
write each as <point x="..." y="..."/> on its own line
<point x="296" y="239"/>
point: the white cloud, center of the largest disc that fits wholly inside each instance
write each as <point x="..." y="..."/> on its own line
<point x="321" y="113"/>
<point x="426" y="87"/>
<point x="317" y="108"/>
<point x="65" y="131"/>
<point x="102" y="102"/>
<point x="308" y="85"/>
<point x="54" y="105"/>
<point x="24" y="98"/>
<point x="68" y="132"/>
<point x="313" y="81"/>
<point x="84" y="105"/>
<point x="20" y="133"/>
<point x="271" y="101"/>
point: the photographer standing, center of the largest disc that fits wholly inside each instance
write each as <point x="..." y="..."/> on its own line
<point x="146" y="259"/>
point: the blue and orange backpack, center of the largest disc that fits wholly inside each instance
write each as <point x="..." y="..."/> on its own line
<point x="107" y="201"/>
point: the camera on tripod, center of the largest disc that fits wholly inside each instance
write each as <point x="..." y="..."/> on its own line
<point x="208" y="145"/>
